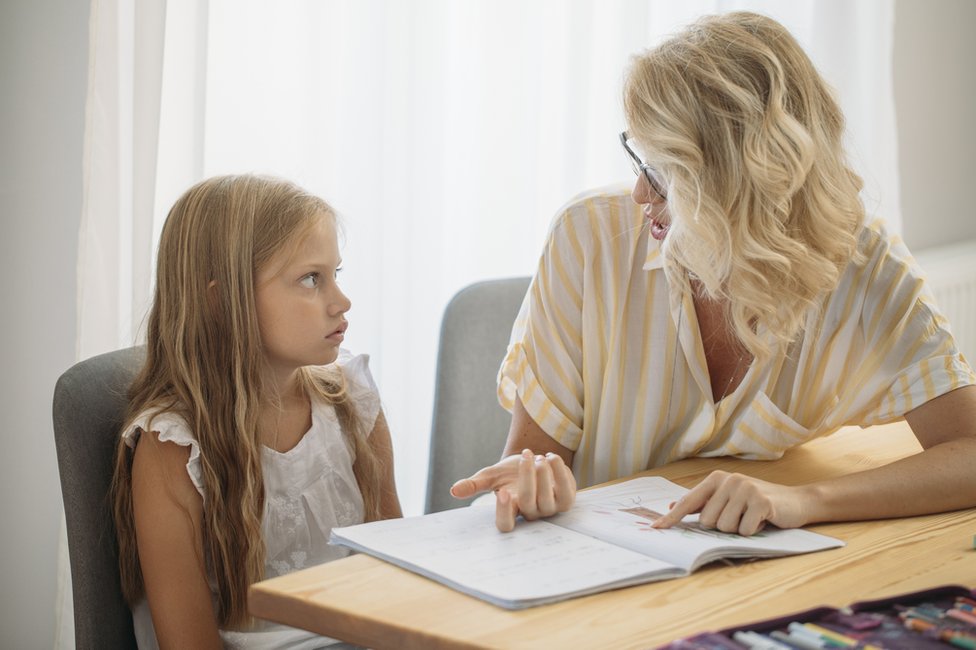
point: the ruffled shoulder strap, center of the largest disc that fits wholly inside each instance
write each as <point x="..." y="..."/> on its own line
<point x="360" y="386"/>
<point x="171" y="428"/>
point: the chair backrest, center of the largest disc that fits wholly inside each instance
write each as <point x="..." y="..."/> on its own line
<point x="89" y="404"/>
<point x="469" y="427"/>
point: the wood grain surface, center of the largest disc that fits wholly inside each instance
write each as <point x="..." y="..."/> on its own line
<point x="372" y="603"/>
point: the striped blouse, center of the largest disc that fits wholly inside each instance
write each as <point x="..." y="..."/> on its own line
<point x="611" y="365"/>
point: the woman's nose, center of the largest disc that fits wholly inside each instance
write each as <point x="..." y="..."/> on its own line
<point x="642" y="192"/>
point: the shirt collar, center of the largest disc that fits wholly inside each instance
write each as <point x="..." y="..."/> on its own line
<point x="655" y="258"/>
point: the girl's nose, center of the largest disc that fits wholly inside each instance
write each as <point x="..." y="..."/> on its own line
<point x="339" y="304"/>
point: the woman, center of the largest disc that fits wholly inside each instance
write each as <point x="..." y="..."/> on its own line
<point x="741" y="304"/>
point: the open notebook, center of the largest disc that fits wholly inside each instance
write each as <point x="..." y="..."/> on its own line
<point x="604" y="542"/>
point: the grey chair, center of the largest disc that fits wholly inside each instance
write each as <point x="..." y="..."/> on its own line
<point x="89" y="404"/>
<point x="469" y="427"/>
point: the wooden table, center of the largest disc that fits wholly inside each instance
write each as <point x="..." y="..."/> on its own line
<point x="370" y="602"/>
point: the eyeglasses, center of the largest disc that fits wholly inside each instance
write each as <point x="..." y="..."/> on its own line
<point x="641" y="167"/>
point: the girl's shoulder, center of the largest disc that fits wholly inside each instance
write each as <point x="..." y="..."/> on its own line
<point x="351" y="374"/>
<point x="356" y="372"/>
<point x="169" y="426"/>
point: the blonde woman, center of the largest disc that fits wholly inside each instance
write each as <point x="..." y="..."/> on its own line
<point x="250" y="432"/>
<point x="740" y="304"/>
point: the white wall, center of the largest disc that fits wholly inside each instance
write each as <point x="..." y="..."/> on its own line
<point x="935" y="102"/>
<point x="43" y="59"/>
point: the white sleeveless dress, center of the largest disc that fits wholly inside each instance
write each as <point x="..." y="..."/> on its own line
<point x="309" y="489"/>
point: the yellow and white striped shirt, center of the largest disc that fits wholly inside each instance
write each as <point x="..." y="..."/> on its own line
<point x="610" y="364"/>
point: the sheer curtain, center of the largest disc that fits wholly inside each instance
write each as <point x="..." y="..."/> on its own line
<point x="446" y="133"/>
<point x="142" y="92"/>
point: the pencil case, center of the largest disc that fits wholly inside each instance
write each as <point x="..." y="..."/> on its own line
<point x="872" y="624"/>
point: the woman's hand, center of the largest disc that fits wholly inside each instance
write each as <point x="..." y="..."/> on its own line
<point x="532" y="485"/>
<point x="734" y="503"/>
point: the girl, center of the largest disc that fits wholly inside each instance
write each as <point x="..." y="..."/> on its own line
<point x="249" y="434"/>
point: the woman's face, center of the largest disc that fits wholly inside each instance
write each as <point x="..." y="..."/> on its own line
<point x="654" y="205"/>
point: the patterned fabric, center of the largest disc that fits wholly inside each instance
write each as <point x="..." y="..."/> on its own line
<point x="309" y="489"/>
<point x="610" y="363"/>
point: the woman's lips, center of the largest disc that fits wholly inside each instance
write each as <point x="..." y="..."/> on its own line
<point x="658" y="230"/>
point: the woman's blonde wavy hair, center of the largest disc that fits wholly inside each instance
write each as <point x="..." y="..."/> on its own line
<point x="204" y="362"/>
<point x="765" y="208"/>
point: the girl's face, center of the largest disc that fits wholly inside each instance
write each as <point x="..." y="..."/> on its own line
<point x="300" y="308"/>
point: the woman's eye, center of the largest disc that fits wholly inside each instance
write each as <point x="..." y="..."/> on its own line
<point x="310" y="281"/>
<point x="338" y="271"/>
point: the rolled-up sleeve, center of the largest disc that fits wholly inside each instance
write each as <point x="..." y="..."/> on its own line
<point x="544" y="363"/>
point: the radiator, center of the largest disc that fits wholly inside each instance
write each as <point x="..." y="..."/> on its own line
<point x="951" y="274"/>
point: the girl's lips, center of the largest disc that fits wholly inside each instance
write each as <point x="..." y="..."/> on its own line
<point x="339" y="334"/>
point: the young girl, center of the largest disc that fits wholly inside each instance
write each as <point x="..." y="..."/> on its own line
<point x="250" y="434"/>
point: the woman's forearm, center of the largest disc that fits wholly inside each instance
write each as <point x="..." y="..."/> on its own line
<point x="938" y="479"/>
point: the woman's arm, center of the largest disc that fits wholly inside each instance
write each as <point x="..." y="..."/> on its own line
<point x="533" y="478"/>
<point x="168" y="514"/>
<point x="940" y="478"/>
<point x="382" y="444"/>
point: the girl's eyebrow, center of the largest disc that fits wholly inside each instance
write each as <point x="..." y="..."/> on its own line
<point x="313" y="260"/>
<point x="301" y="265"/>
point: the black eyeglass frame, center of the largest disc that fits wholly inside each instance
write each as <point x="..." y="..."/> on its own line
<point x="641" y="167"/>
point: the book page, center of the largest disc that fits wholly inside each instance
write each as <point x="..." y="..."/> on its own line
<point x="622" y="514"/>
<point x="537" y="562"/>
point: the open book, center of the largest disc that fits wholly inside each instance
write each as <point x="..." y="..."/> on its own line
<point x="604" y="542"/>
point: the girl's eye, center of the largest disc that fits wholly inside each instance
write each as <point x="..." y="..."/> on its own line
<point x="310" y="281"/>
<point x="338" y="271"/>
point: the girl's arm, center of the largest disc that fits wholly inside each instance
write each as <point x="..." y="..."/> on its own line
<point x="168" y="514"/>
<point x="938" y="479"/>
<point x="380" y="441"/>
<point x="533" y="478"/>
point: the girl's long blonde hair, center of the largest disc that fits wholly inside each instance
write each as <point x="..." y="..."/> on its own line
<point x="765" y="208"/>
<point x="204" y="361"/>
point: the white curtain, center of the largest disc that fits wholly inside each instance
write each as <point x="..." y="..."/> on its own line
<point x="141" y="95"/>
<point x="446" y="133"/>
